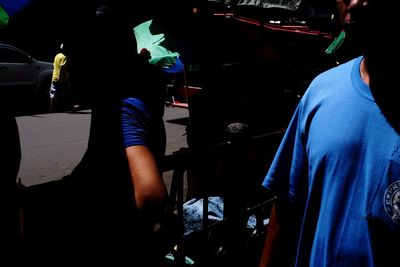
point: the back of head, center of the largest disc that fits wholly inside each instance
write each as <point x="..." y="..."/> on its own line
<point x="377" y="25"/>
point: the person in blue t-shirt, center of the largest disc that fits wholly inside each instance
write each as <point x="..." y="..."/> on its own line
<point x="337" y="170"/>
<point x="118" y="190"/>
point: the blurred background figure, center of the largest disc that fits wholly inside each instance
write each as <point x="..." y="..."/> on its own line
<point x="60" y="80"/>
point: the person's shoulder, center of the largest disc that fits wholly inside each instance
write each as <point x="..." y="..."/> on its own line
<point x="134" y="103"/>
<point x="133" y="107"/>
<point x="331" y="82"/>
<point x="340" y="69"/>
<point x="335" y="75"/>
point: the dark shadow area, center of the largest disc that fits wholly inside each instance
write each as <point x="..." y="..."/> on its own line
<point x="180" y="121"/>
<point x="79" y="112"/>
<point x="32" y="28"/>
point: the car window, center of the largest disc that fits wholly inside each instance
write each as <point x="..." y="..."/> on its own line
<point x="12" y="56"/>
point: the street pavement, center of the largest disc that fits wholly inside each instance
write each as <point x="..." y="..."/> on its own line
<point x="52" y="144"/>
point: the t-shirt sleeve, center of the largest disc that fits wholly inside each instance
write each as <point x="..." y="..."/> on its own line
<point x="287" y="174"/>
<point x="135" y="122"/>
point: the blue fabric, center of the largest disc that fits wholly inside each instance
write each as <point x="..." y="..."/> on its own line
<point x="13" y="6"/>
<point x="339" y="165"/>
<point x="141" y="127"/>
<point x="176" y="68"/>
<point x="135" y="118"/>
<point x="193" y="213"/>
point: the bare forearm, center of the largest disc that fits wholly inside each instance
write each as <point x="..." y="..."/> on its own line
<point x="149" y="188"/>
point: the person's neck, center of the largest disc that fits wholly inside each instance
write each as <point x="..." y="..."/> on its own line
<point x="364" y="72"/>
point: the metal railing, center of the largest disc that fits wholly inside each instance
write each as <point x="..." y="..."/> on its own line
<point x="237" y="155"/>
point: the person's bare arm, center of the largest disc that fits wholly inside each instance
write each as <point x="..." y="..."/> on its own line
<point x="149" y="188"/>
<point x="276" y="247"/>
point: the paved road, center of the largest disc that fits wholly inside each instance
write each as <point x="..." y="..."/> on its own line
<point x="53" y="143"/>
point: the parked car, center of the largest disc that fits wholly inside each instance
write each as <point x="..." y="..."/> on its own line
<point x="22" y="77"/>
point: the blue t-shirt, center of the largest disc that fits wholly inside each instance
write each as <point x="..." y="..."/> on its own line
<point x="339" y="167"/>
<point x="142" y="127"/>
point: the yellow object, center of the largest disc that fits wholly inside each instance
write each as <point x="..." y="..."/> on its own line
<point x="60" y="73"/>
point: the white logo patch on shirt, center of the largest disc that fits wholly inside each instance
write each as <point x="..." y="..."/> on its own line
<point x="391" y="202"/>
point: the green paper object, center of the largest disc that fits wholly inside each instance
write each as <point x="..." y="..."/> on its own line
<point x="3" y="17"/>
<point x="336" y="43"/>
<point x="160" y="56"/>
